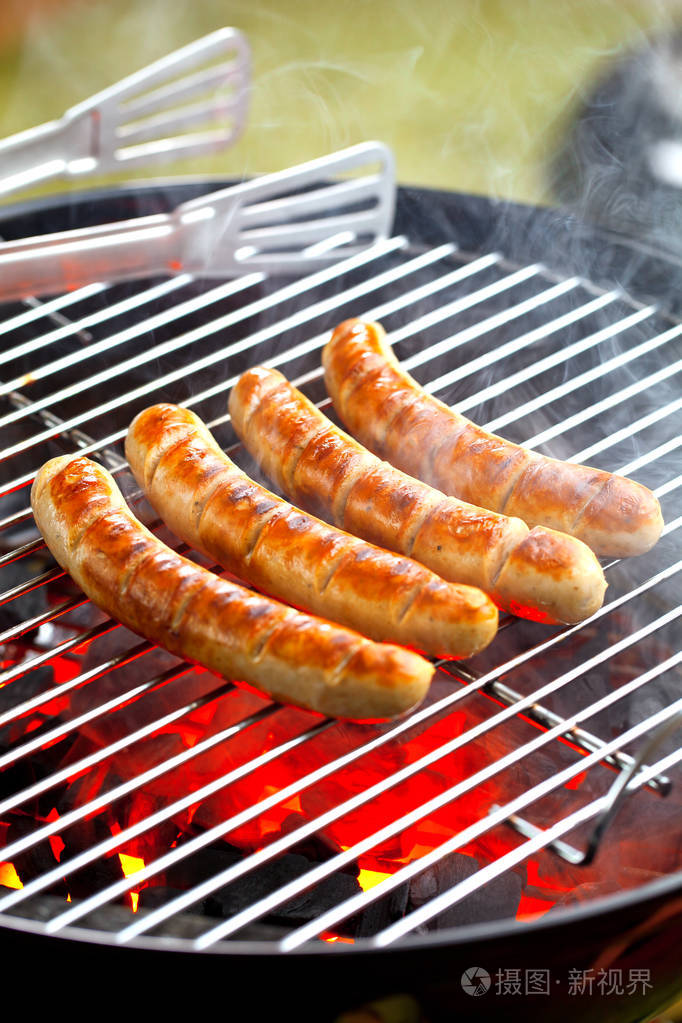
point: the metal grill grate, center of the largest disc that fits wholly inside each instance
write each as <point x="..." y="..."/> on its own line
<point x="528" y="739"/>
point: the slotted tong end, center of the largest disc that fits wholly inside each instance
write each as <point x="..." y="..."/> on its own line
<point x="291" y="222"/>
<point x="191" y="102"/>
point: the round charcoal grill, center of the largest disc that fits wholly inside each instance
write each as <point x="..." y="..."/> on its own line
<point x="522" y="825"/>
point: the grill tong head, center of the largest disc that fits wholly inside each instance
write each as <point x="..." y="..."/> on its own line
<point x="293" y="221"/>
<point x="146" y="118"/>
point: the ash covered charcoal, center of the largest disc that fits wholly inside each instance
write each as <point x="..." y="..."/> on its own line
<point x="271" y="876"/>
<point x="380" y="913"/>
<point x="496" y="900"/>
<point x="32" y="603"/>
<point x="37" y="859"/>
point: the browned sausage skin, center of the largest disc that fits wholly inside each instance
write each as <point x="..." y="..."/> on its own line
<point x="540" y="574"/>
<point x="236" y="633"/>
<point x="386" y="409"/>
<point x="211" y="504"/>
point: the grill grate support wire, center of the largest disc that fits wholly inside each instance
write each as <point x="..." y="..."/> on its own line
<point x="409" y="770"/>
<point x="617" y="795"/>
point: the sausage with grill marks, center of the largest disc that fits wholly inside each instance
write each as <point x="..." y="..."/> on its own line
<point x="387" y="410"/>
<point x="214" y="507"/>
<point x="540" y="574"/>
<point x="238" y="634"/>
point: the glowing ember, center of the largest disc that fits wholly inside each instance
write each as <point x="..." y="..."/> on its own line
<point x="130" y="865"/>
<point x="336" y="938"/>
<point x="369" y="878"/>
<point x="531" y="907"/>
<point x="9" y="877"/>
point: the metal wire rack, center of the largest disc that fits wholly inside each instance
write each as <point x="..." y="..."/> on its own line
<point x="525" y="741"/>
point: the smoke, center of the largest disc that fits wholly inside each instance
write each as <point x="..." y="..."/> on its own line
<point x="474" y="96"/>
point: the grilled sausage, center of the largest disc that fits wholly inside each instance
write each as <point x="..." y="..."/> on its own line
<point x="236" y="633"/>
<point x="540" y="574"/>
<point x="386" y="409"/>
<point x="214" y="507"/>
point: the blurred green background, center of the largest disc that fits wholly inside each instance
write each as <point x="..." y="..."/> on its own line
<point x="472" y="95"/>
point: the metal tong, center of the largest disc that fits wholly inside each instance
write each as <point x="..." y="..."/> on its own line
<point x="193" y="101"/>
<point x="292" y="221"/>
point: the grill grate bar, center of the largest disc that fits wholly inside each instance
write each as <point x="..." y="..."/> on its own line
<point x="446" y="345"/>
<point x="159" y="320"/>
<point x="655" y="416"/>
<point x="16" y="632"/>
<point x="101" y="669"/>
<point x="39" y="310"/>
<point x="30" y="547"/>
<point x="98" y="671"/>
<point x="109" y="312"/>
<point x="557" y="358"/>
<point x="624" y="763"/>
<point x="606" y="403"/>
<point x="107" y="798"/>
<point x="584" y="378"/>
<point x="518" y="344"/>
<point x="253" y="339"/>
<point x="11" y="674"/>
<point x="448" y="309"/>
<point x="380" y="787"/>
<point x="104" y="753"/>
<point x="220" y="323"/>
<point x="312" y="778"/>
<point x="62" y="730"/>
<point x="31" y="584"/>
